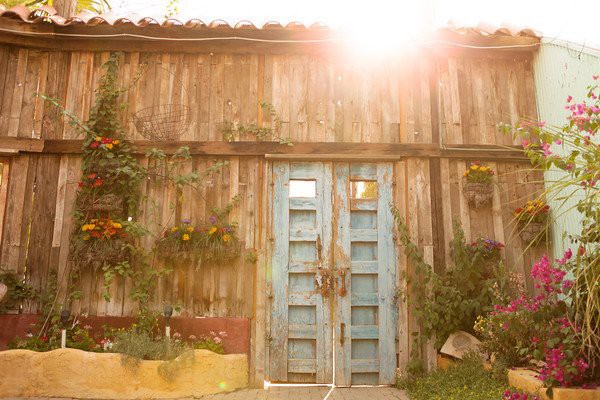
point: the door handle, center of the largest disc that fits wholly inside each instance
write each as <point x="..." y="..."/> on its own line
<point x="319" y="248"/>
<point x="342" y="333"/>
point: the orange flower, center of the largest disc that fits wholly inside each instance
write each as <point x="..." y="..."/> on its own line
<point x="226" y="238"/>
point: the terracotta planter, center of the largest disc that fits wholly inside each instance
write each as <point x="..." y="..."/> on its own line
<point x="478" y="194"/>
<point x="532" y="232"/>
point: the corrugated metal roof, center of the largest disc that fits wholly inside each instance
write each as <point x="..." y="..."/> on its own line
<point x="47" y="14"/>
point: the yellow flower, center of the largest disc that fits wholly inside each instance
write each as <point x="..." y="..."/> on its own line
<point x="117" y="225"/>
<point x="190" y="229"/>
<point x="109" y="146"/>
<point x="226" y="238"/>
<point x="483" y="168"/>
<point x="466" y="173"/>
<point x="98" y="138"/>
<point x="174" y="229"/>
<point x="212" y="230"/>
<point x="474" y="167"/>
<point x="185" y="237"/>
<point x="86" y="237"/>
<point x="116" y="141"/>
<point x="88" y="227"/>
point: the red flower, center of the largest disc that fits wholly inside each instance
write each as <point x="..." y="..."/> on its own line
<point x="106" y="140"/>
<point x="98" y="182"/>
<point x="93" y="175"/>
<point x="581" y="250"/>
<point x="94" y="145"/>
<point x="80" y="184"/>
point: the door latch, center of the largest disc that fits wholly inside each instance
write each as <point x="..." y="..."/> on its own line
<point x="342" y="333"/>
<point x="342" y="291"/>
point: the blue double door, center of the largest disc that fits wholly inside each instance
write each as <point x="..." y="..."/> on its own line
<point x="333" y="274"/>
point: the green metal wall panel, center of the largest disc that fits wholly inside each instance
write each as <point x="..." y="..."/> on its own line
<point x="562" y="69"/>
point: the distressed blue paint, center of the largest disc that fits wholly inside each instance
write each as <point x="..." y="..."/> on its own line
<point x="363" y="247"/>
<point x="301" y="349"/>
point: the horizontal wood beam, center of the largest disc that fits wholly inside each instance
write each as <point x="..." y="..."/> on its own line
<point x="272" y="150"/>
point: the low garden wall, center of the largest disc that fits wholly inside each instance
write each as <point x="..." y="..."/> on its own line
<point x="237" y="340"/>
<point x="526" y="380"/>
<point x="81" y="374"/>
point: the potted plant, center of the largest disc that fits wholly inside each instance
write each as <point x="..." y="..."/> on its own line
<point x="478" y="188"/>
<point x="532" y="219"/>
<point x="183" y="240"/>
<point x="486" y="252"/>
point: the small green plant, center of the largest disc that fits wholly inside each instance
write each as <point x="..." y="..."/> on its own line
<point x="78" y="337"/>
<point x="466" y="380"/>
<point x="214" y="342"/>
<point x="18" y="291"/>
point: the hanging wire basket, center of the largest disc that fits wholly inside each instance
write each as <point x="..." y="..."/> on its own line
<point x="163" y="122"/>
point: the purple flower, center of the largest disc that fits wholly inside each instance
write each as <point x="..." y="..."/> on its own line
<point x="212" y="219"/>
<point x="186" y="221"/>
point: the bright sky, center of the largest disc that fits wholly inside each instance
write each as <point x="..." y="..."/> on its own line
<point x="576" y="21"/>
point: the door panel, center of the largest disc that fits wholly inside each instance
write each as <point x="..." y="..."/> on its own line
<point x="365" y="260"/>
<point x="333" y="221"/>
<point x="301" y="349"/>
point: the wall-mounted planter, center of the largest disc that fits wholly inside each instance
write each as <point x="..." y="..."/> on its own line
<point x="525" y="380"/>
<point x="478" y="194"/>
<point x="533" y="232"/>
<point x="81" y="374"/>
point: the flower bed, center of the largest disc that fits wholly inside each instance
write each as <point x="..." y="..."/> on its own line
<point x="527" y="380"/>
<point x="81" y="374"/>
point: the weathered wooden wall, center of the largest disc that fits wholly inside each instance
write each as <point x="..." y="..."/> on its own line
<point x="424" y="99"/>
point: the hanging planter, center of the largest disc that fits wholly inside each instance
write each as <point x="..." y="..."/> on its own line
<point x="478" y="194"/>
<point x="478" y="189"/>
<point x="532" y="220"/>
<point x="107" y="202"/>
<point x="212" y="243"/>
<point x="163" y="122"/>
<point x="532" y="232"/>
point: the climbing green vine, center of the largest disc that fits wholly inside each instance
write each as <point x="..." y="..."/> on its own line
<point x="231" y="130"/>
<point x="451" y="300"/>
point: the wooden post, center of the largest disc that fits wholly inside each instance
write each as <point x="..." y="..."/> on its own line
<point x="65" y="8"/>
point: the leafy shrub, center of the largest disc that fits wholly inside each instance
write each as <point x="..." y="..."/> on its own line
<point x="453" y="299"/>
<point x="137" y="345"/>
<point x="539" y="328"/>
<point x="466" y="380"/>
<point x="572" y="153"/>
